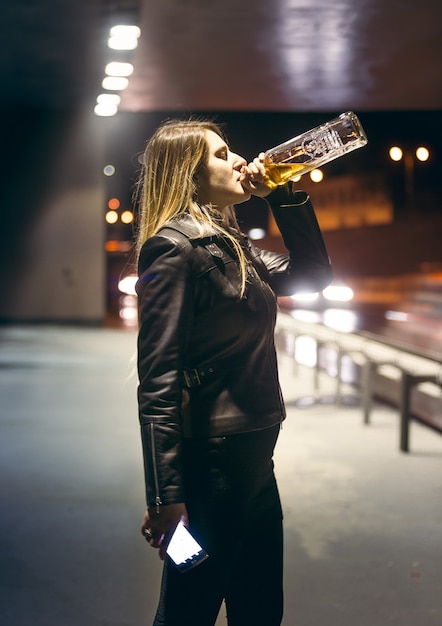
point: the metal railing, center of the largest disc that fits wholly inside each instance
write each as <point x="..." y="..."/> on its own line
<point x="403" y="376"/>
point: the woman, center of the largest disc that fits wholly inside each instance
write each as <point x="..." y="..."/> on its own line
<point x="210" y="404"/>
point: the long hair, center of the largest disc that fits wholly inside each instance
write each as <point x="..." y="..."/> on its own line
<point x="167" y="189"/>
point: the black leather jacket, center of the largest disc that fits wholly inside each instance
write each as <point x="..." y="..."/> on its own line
<point x="206" y="357"/>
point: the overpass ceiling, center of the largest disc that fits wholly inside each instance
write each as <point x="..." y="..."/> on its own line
<point x="249" y="55"/>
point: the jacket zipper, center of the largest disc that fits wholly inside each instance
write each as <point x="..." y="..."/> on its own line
<point x="154" y="466"/>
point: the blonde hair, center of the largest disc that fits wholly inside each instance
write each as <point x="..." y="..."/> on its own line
<point x="174" y="157"/>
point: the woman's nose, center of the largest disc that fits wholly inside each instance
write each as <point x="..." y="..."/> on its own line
<point x="238" y="162"/>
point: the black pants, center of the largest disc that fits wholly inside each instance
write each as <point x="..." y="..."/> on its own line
<point x="235" y="514"/>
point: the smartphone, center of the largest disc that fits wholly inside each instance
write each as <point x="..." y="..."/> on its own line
<point x="184" y="550"/>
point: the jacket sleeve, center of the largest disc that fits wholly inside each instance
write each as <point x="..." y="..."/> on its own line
<point x="306" y="267"/>
<point x="165" y="315"/>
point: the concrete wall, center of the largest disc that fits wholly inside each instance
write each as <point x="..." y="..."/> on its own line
<point x="52" y="241"/>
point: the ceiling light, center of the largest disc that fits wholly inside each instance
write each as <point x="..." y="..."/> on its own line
<point x="115" y="83"/>
<point x="124" y="37"/>
<point x="122" y="44"/>
<point x="109" y="98"/>
<point x="125" y="30"/>
<point x="105" y="110"/>
<point x="119" y="69"/>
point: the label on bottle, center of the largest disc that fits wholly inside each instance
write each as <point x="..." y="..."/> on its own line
<point x="317" y="144"/>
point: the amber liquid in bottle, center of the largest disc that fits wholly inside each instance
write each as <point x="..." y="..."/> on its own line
<point x="280" y="173"/>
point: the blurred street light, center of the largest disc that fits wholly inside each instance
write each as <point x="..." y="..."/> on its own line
<point x="397" y="154"/>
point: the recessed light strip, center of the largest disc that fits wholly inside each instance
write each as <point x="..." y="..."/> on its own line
<point x="121" y="37"/>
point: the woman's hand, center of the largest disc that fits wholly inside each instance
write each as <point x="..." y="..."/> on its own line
<point x="254" y="174"/>
<point x="159" y="524"/>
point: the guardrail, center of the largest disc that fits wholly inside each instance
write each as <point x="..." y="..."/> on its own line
<point x="405" y="377"/>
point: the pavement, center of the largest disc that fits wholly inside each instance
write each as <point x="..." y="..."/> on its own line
<point x="363" y="521"/>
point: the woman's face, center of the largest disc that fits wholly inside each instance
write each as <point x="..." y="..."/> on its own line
<point x="220" y="182"/>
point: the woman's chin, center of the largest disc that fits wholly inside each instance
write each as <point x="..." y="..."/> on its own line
<point x="246" y="195"/>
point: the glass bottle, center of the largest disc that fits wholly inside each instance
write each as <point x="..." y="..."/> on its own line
<point x="313" y="149"/>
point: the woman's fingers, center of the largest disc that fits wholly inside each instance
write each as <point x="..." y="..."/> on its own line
<point x="159" y="524"/>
